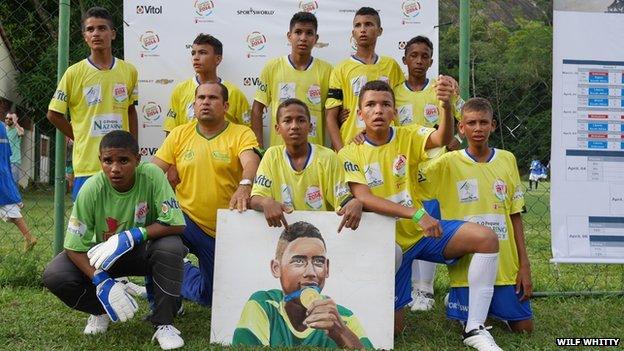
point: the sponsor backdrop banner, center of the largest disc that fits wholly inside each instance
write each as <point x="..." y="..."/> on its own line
<point x="360" y="270"/>
<point x="587" y="196"/>
<point x="158" y="37"/>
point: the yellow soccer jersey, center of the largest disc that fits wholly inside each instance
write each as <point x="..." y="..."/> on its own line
<point x="349" y="76"/>
<point x="389" y="171"/>
<point x="421" y="107"/>
<point x="485" y="193"/>
<point x="319" y="186"/>
<point x="97" y="101"/>
<point x="209" y="169"/>
<point x="280" y="80"/>
<point x="183" y="97"/>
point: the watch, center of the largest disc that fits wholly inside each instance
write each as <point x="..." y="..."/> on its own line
<point x="245" y="182"/>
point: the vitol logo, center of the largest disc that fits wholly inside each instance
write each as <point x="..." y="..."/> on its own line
<point x="148" y="10"/>
<point x="402" y="45"/>
<point x="203" y="8"/>
<point x="410" y="8"/>
<point x="148" y="151"/>
<point x="256" y="41"/>
<point x="149" y="40"/>
<point x="308" y="6"/>
<point x="151" y="111"/>
<point x="251" y="81"/>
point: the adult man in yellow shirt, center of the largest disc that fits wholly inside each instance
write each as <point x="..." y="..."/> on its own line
<point x="100" y="93"/>
<point x="216" y="162"/>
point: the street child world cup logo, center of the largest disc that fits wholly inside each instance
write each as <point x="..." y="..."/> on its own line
<point x="203" y="10"/>
<point x="410" y="9"/>
<point x="308" y="6"/>
<point x="256" y="42"/>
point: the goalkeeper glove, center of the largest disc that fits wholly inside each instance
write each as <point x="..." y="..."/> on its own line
<point x="105" y="254"/>
<point x="118" y="304"/>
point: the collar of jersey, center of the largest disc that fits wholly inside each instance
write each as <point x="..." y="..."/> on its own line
<point x="293" y="65"/>
<point x="427" y="82"/>
<point x="469" y="156"/>
<point x="197" y="80"/>
<point x="390" y="138"/>
<point x="227" y="125"/>
<point x="96" y="67"/>
<point x="377" y="57"/>
<point x="307" y="162"/>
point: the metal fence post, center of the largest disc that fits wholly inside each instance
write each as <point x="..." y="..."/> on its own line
<point x="59" y="159"/>
<point x="464" y="49"/>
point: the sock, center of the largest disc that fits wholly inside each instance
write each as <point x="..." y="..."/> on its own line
<point x="481" y="278"/>
<point x="426" y="274"/>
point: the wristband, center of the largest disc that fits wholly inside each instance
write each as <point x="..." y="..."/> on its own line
<point x="419" y="215"/>
<point x="143" y="232"/>
<point x="346" y="200"/>
<point x="99" y="277"/>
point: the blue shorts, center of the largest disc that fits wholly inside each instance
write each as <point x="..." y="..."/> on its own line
<point x="426" y="249"/>
<point x="506" y="304"/>
<point x="433" y="208"/>
<point x="78" y="183"/>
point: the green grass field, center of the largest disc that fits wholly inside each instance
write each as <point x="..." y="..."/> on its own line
<point x="32" y="319"/>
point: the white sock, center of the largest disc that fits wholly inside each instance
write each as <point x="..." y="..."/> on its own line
<point x="423" y="280"/>
<point x="398" y="258"/>
<point x="481" y="278"/>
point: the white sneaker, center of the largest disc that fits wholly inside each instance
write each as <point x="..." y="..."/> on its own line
<point x="481" y="339"/>
<point x="168" y="337"/>
<point x="421" y="301"/>
<point x="96" y="324"/>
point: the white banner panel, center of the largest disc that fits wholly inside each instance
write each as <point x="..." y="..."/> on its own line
<point x="361" y="266"/>
<point x="158" y="37"/>
<point x="587" y="194"/>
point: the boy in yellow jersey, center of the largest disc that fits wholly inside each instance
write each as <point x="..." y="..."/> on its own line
<point x="206" y="54"/>
<point x="349" y="76"/>
<point x="300" y="175"/>
<point x="417" y="104"/>
<point x="100" y="93"/>
<point x="296" y="75"/>
<point x="381" y="173"/>
<point x="481" y="184"/>
<point x="216" y="162"/>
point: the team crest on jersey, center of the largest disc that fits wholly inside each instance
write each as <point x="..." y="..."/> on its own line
<point x="286" y="196"/>
<point x="287" y="91"/>
<point x="314" y="94"/>
<point x="93" y="94"/>
<point x="76" y="227"/>
<point x="468" y="190"/>
<point x="431" y="113"/>
<point x="405" y="115"/>
<point x="500" y="189"/>
<point x="403" y="198"/>
<point x="188" y="155"/>
<point x="140" y="213"/>
<point x="190" y="111"/>
<point x="399" y="166"/>
<point x="120" y="93"/>
<point x="518" y="193"/>
<point x="341" y="190"/>
<point x="246" y="117"/>
<point x="373" y="175"/>
<point x="314" y="197"/>
<point x="313" y="126"/>
<point x="357" y="83"/>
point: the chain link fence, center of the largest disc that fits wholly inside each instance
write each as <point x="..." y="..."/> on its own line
<point x="28" y="66"/>
<point x="510" y="66"/>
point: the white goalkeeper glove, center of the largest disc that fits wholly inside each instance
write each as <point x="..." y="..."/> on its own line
<point x="118" y="304"/>
<point x="105" y="254"/>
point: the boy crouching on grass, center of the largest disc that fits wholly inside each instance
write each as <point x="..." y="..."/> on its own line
<point x="126" y="221"/>
<point x="481" y="184"/>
